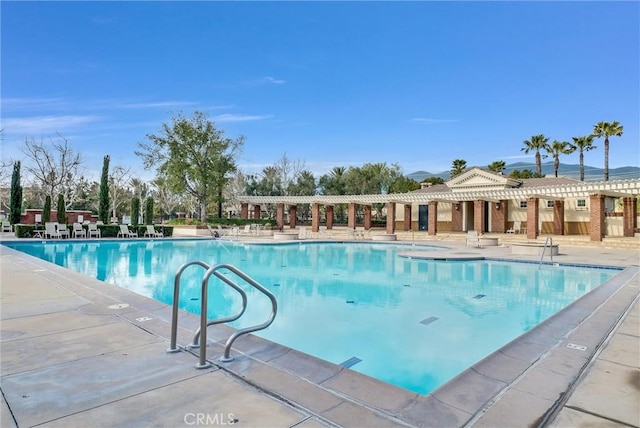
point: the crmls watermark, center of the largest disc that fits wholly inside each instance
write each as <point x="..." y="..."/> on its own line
<point x="204" y="419"/>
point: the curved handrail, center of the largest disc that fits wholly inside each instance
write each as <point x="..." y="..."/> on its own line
<point x="176" y="296"/>
<point x="196" y="337"/>
<point x="203" y="316"/>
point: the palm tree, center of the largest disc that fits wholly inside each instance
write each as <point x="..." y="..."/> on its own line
<point x="537" y="143"/>
<point x="497" y="166"/>
<point x="556" y="149"/>
<point x="583" y="144"/>
<point x="606" y="130"/>
<point x="457" y="167"/>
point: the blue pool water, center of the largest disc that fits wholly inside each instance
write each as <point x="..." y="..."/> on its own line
<point x="412" y="323"/>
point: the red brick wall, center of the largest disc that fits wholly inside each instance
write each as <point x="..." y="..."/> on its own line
<point x="391" y="217"/>
<point x="630" y="219"/>
<point x="456" y="217"/>
<point x="558" y="217"/>
<point x="478" y="216"/>
<point x="499" y="217"/>
<point x="29" y="217"/>
<point x="433" y="218"/>
<point x="407" y="217"/>
<point x="533" y="216"/>
<point x="596" y="217"/>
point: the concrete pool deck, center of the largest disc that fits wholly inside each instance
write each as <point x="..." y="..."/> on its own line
<point x="79" y="352"/>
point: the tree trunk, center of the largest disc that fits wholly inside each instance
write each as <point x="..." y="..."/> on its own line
<point x="538" y="164"/>
<point x="203" y="211"/>
<point x="606" y="159"/>
<point x="581" y="166"/>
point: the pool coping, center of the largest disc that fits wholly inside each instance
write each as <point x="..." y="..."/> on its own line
<point x="478" y="395"/>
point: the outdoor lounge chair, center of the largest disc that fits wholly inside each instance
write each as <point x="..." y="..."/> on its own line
<point x="63" y="230"/>
<point x="6" y="226"/>
<point x="473" y="240"/>
<point x="515" y="228"/>
<point x="51" y="231"/>
<point x="78" y="231"/>
<point x="94" y="231"/>
<point x="125" y="232"/>
<point x="152" y="233"/>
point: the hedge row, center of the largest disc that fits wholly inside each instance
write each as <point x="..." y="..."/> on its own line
<point x="106" y="230"/>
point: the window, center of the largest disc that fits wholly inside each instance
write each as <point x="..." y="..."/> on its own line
<point x="549" y="204"/>
<point x="523" y="204"/>
<point x="581" y="204"/>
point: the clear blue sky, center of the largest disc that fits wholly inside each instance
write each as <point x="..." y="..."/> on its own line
<point x="330" y="84"/>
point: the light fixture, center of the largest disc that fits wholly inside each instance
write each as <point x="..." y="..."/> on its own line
<point x="457" y="207"/>
<point x="497" y="205"/>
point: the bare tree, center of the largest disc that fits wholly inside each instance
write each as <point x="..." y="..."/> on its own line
<point x="117" y="192"/>
<point x="54" y="165"/>
<point x="288" y="170"/>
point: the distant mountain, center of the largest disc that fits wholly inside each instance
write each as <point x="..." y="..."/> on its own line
<point x="591" y="173"/>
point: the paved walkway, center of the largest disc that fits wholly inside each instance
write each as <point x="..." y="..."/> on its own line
<point x="79" y="352"/>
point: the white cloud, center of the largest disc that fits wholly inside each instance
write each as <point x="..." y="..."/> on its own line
<point x="267" y="80"/>
<point x="240" y="117"/>
<point x="45" y="124"/>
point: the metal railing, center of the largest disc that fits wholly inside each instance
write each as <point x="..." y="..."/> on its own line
<point x="547" y="243"/>
<point x="200" y="337"/>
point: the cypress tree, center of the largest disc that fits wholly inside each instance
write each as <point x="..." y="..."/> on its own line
<point x="62" y="210"/>
<point x="46" y="211"/>
<point x="15" y="202"/>
<point x="148" y="211"/>
<point x="103" y="206"/>
<point x="135" y="211"/>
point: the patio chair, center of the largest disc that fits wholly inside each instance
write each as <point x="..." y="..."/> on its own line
<point x="247" y="230"/>
<point x="473" y="240"/>
<point x="152" y="232"/>
<point x="78" y="231"/>
<point x="515" y="228"/>
<point x="125" y="232"/>
<point x="63" y="230"/>
<point x="94" y="231"/>
<point x="51" y="231"/>
<point x="6" y="226"/>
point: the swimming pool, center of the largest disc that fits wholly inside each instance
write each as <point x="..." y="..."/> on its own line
<point x="412" y="323"/>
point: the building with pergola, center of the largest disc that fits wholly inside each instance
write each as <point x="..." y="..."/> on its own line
<point x="483" y="201"/>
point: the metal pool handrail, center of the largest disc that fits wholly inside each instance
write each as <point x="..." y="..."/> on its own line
<point x="548" y="241"/>
<point x="201" y="334"/>
<point x="203" y="317"/>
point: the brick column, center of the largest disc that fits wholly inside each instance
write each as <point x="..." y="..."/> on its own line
<point x="456" y="217"/>
<point x="533" y="215"/>
<point x="315" y="217"/>
<point x="244" y="210"/>
<point x="293" y="216"/>
<point x="407" y="217"/>
<point x="629" y="216"/>
<point x="256" y="212"/>
<point x="351" y="215"/>
<point x="558" y="217"/>
<point x="499" y="211"/>
<point x="328" y="209"/>
<point x="367" y="217"/>
<point x="596" y="217"/>
<point x="391" y="217"/>
<point x="432" y="225"/>
<point x="478" y="216"/>
<point x="280" y="216"/>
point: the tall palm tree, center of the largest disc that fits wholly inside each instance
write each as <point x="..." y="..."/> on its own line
<point x="497" y="166"/>
<point x="457" y="167"/>
<point x="537" y="143"/>
<point x="583" y="144"/>
<point x="556" y="149"/>
<point x="606" y="130"/>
